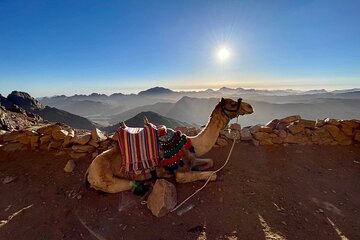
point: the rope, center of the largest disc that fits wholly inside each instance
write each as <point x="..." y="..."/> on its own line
<point x="208" y="180"/>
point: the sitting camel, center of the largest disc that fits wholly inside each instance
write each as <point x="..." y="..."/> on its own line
<point x="105" y="174"/>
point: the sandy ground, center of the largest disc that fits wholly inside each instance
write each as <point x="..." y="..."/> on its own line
<point x="293" y="192"/>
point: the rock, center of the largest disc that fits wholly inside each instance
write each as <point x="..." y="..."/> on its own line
<point x="281" y="133"/>
<point x="277" y="140"/>
<point x="55" y="145"/>
<point x="319" y="123"/>
<point x="346" y="129"/>
<point x="59" y="134"/>
<point x="307" y="123"/>
<point x="255" y="129"/>
<point x="34" y="141"/>
<point x="68" y="140"/>
<point x="76" y="155"/>
<point x="332" y="121"/>
<point x="332" y="129"/>
<point x="222" y="142"/>
<point x="296" y="128"/>
<point x="9" y="179"/>
<point x="98" y="135"/>
<point x="290" y="138"/>
<point x="266" y="142"/>
<point x="255" y="142"/>
<point x="261" y="135"/>
<point x="24" y="139"/>
<point x="93" y="143"/>
<point x="235" y="126"/>
<point x="357" y="135"/>
<point x="70" y="166"/>
<point x="12" y="147"/>
<point x="245" y="134"/>
<point x="82" y="140"/>
<point x="71" y="133"/>
<point x="290" y="119"/>
<point x="83" y="148"/>
<point x="266" y="129"/>
<point x="343" y="139"/>
<point x="162" y="199"/>
<point x="351" y="123"/>
<point x="273" y="123"/>
<point x="232" y="134"/>
<point x="47" y="130"/>
<point x="45" y="139"/>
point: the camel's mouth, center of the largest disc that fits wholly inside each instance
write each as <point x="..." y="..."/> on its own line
<point x="245" y="108"/>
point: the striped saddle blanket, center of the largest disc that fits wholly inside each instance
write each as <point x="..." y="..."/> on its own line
<point x="140" y="148"/>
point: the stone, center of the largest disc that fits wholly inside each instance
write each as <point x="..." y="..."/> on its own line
<point x="93" y="143"/>
<point x="296" y="128"/>
<point x="222" y="142"/>
<point x="255" y="142"/>
<point x="266" y="142"/>
<point x="162" y="199"/>
<point x="343" y="139"/>
<point x="82" y="140"/>
<point x="245" y="134"/>
<point x="34" y="141"/>
<point x="55" y="145"/>
<point x="98" y="135"/>
<point x="70" y="166"/>
<point x="332" y="129"/>
<point x="8" y="179"/>
<point x="232" y="134"/>
<point x="47" y="130"/>
<point x="235" y="126"/>
<point x="12" y="147"/>
<point x="59" y="134"/>
<point x="282" y="133"/>
<point x="351" y="123"/>
<point x="45" y="139"/>
<point x="273" y="123"/>
<point x="266" y="129"/>
<point x="331" y="121"/>
<point x="307" y="123"/>
<point x="357" y="135"/>
<point x="319" y="123"/>
<point x="346" y="129"/>
<point x="277" y="140"/>
<point x="290" y="119"/>
<point x="261" y="135"/>
<point x="76" y="155"/>
<point x="68" y="140"/>
<point x="24" y="139"/>
<point x="71" y="133"/>
<point x="83" y="148"/>
<point x="290" y="138"/>
<point x="254" y="129"/>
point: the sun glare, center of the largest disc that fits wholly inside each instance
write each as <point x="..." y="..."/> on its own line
<point x="223" y="54"/>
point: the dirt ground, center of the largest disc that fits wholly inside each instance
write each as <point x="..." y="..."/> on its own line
<point x="277" y="192"/>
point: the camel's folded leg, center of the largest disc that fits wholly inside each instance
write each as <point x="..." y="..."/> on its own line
<point x="186" y="177"/>
<point x="201" y="164"/>
<point x="109" y="184"/>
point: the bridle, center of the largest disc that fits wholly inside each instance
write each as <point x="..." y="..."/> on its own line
<point x="225" y="110"/>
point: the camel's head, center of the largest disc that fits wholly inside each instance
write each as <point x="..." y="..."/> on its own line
<point x="233" y="108"/>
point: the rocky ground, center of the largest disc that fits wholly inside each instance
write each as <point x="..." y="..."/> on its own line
<point x="265" y="192"/>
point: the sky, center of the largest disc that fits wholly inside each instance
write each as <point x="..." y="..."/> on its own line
<point x="79" y="47"/>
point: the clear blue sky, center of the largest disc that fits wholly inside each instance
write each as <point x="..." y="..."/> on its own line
<point x="67" y="47"/>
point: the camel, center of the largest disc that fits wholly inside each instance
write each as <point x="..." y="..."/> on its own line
<point x="104" y="173"/>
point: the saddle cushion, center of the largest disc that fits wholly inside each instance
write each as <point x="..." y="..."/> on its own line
<point x="139" y="148"/>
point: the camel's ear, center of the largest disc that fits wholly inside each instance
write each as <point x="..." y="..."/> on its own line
<point x="222" y="101"/>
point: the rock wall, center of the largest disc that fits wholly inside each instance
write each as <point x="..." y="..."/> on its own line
<point x="289" y="130"/>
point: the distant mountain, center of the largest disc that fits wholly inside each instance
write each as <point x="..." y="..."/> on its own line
<point x="320" y="91"/>
<point x="155" y="118"/>
<point x="156" y="91"/>
<point x="30" y="104"/>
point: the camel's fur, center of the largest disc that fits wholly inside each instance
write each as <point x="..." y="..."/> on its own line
<point x="104" y="172"/>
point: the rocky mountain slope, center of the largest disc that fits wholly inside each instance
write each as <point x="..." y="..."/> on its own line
<point x="29" y="104"/>
<point x="155" y="118"/>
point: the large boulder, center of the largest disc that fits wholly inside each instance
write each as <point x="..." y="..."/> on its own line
<point x="163" y="198"/>
<point x="307" y="123"/>
<point x="49" y="129"/>
<point x="59" y="134"/>
<point x="332" y="129"/>
<point x="82" y="140"/>
<point x="98" y="135"/>
<point x="296" y="128"/>
<point x="245" y="134"/>
<point x="261" y="135"/>
<point x="290" y="119"/>
<point x="83" y="148"/>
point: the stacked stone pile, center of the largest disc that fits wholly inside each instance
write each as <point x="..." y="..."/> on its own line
<point x="289" y="130"/>
<point x="57" y="137"/>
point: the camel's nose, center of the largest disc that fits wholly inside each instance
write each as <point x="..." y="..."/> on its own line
<point x="246" y="108"/>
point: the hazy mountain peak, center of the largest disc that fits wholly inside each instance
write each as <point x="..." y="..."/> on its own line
<point x="156" y="90"/>
<point x="24" y="100"/>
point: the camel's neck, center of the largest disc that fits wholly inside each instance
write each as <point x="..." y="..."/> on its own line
<point x="206" y="139"/>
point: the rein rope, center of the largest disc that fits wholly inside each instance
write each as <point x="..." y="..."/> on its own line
<point x="208" y="180"/>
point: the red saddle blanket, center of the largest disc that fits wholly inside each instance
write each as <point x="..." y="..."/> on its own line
<point x="139" y="149"/>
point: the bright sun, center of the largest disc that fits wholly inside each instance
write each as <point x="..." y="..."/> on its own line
<point x="223" y="54"/>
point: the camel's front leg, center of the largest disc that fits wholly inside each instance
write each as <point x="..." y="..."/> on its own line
<point x="201" y="164"/>
<point x="186" y="177"/>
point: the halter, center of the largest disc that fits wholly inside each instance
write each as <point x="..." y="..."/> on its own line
<point x="223" y="109"/>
